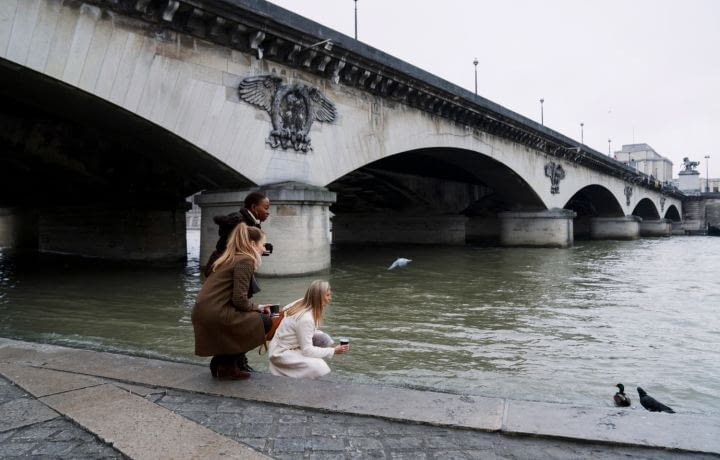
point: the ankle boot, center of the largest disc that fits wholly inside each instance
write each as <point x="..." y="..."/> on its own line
<point x="242" y="363"/>
<point x="214" y="365"/>
<point x="230" y="371"/>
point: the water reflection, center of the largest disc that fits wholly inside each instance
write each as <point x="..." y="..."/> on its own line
<point x="551" y="325"/>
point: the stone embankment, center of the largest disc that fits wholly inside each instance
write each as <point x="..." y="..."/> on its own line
<point x="61" y="402"/>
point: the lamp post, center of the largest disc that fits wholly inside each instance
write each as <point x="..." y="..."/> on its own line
<point x="475" y="63"/>
<point x="355" y="19"/>
<point x="609" y="142"/>
<point x="582" y="134"/>
<point x="707" y="176"/>
<point x="542" y="115"/>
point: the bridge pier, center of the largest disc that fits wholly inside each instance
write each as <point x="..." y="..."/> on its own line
<point x="482" y="230"/>
<point x="656" y="227"/>
<point x="398" y="228"/>
<point x="552" y="228"/>
<point x="18" y="228"/>
<point x="298" y="226"/>
<point x="615" y="228"/>
<point x="114" y="233"/>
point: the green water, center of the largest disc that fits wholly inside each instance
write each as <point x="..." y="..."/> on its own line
<point x="535" y="324"/>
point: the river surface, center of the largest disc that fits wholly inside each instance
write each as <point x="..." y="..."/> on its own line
<point x="535" y="324"/>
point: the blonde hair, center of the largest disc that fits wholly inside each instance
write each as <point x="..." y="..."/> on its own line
<point x="240" y="243"/>
<point x="312" y="302"/>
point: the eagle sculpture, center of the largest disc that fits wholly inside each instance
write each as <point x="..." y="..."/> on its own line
<point x="292" y="109"/>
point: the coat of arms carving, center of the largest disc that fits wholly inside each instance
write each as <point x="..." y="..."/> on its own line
<point x="292" y="109"/>
<point x="556" y="173"/>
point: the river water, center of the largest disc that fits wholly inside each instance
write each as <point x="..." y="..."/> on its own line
<point x="535" y="324"/>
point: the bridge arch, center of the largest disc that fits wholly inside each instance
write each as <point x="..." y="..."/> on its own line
<point x="673" y="214"/>
<point x="589" y="202"/>
<point x="646" y="209"/>
<point x="425" y="196"/>
<point x="86" y="177"/>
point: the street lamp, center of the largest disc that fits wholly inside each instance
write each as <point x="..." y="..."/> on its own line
<point x="475" y="63"/>
<point x="707" y="176"/>
<point x="355" y="19"/>
<point x="542" y="116"/>
<point x="609" y="142"/>
<point x="582" y="134"/>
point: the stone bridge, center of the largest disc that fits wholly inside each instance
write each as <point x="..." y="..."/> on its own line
<point x="114" y="111"/>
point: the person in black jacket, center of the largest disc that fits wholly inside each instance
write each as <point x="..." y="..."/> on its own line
<point x="255" y="211"/>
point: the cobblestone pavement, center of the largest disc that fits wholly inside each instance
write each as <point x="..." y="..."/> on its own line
<point x="51" y="439"/>
<point x="289" y="433"/>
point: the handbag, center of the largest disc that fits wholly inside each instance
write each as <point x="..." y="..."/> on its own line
<point x="276" y="320"/>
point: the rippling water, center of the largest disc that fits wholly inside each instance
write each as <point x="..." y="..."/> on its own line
<point x="537" y="324"/>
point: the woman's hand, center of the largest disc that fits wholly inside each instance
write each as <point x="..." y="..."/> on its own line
<point x="264" y="308"/>
<point x="340" y="349"/>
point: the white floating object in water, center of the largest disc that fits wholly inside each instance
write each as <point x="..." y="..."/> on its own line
<point x="400" y="262"/>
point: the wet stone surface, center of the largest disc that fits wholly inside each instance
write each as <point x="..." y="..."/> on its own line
<point x="289" y="433"/>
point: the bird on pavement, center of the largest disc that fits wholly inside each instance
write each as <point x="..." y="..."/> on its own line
<point x="652" y="404"/>
<point x="621" y="399"/>
<point x="400" y="262"/>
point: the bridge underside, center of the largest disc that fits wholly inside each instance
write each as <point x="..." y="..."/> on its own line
<point x="80" y="175"/>
<point x="428" y="196"/>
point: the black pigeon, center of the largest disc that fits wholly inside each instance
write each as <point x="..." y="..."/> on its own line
<point x="651" y="404"/>
<point x="621" y="399"/>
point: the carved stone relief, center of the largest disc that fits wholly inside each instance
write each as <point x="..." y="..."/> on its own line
<point x="292" y="109"/>
<point x="628" y="194"/>
<point x="556" y="173"/>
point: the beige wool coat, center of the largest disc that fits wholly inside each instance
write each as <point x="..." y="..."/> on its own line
<point x="291" y="350"/>
<point x="224" y="319"/>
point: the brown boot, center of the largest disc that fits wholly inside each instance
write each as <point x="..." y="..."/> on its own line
<point x="214" y="362"/>
<point x="230" y="371"/>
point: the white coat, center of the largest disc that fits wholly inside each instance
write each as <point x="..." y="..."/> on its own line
<point x="291" y="350"/>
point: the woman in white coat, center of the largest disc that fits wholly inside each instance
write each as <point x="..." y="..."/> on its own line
<point x="291" y="350"/>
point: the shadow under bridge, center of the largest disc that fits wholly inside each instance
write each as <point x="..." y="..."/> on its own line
<point x="428" y="196"/>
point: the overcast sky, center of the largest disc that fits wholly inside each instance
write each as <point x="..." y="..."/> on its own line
<point x="633" y="71"/>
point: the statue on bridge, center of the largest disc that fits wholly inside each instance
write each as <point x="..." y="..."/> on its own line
<point x="690" y="165"/>
<point x="292" y="109"/>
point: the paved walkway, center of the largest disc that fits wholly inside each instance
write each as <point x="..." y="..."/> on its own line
<point x="68" y="403"/>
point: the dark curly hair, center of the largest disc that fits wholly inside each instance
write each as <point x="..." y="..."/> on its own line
<point x="253" y="198"/>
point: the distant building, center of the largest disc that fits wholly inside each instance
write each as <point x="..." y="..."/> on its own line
<point x="646" y="160"/>
<point x="710" y="185"/>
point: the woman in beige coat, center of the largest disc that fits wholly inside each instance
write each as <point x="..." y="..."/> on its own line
<point x="226" y="323"/>
<point x="291" y="350"/>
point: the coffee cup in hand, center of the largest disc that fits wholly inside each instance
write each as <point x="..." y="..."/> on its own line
<point x="344" y="341"/>
<point x="274" y="309"/>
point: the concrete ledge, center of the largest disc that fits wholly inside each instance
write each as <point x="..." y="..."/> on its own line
<point x="631" y="427"/>
<point x="636" y="427"/>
